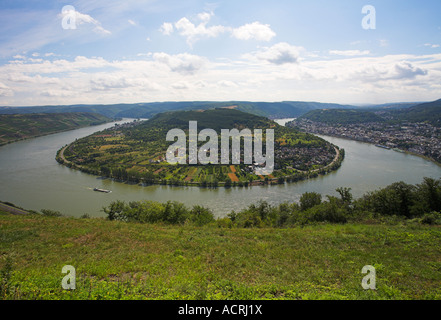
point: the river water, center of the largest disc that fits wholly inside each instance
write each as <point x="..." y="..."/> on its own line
<point x="31" y="178"/>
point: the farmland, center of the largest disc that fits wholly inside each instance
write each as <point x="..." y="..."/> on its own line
<point x="136" y="152"/>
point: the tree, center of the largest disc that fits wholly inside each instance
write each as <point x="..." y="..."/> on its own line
<point x="309" y="200"/>
<point x="201" y="215"/>
<point x="345" y="194"/>
<point x="430" y="194"/>
<point x="115" y="211"/>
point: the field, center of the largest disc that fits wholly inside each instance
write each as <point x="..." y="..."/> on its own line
<point x="136" y="152"/>
<point x="117" y="260"/>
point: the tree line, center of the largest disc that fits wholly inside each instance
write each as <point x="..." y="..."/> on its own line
<point x="396" y="201"/>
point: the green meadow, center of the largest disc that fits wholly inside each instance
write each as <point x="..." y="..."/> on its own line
<point x="125" y="260"/>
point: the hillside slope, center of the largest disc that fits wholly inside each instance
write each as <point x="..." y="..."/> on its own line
<point x="341" y="117"/>
<point x="23" y="126"/>
<point x="430" y="112"/>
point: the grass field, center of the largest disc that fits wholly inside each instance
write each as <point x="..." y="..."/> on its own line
<point x="117" y="260"/>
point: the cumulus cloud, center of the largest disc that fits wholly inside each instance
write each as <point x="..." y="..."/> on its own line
<point x="280" y="53"/>
<point x="195" y="31"/>
<point x="166" y="28"/>
<point x="255" y="30"/>
<point x="184" y="63"/>
<point x="405" y="70"/>
<point x="269" y="73"/>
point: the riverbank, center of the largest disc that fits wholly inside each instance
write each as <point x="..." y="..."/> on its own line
<point x="117" y="260"/>
<point x="390" y="149"/>
<point x="268" y="180"/>
<point x="20" y="127"/>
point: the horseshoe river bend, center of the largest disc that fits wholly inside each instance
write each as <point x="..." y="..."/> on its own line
<point x="32" y="179"/>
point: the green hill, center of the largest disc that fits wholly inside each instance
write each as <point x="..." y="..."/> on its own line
<point x="23" y="126"/>
<point x="341" y="117"/>
<point x="430" y="112"/>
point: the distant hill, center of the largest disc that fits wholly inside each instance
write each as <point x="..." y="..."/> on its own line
<point x="23" y="126"/>
<point x="216" y="119"/>
<point x="390" y="106"/>
<point x="341" y="117"/>
<point x="273" y="110"/>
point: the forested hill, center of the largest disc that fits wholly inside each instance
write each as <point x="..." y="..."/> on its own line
<point x="216" y="119"/>
<point x="430" y="112"/>
<point x="426" y="112"/>
<point x="274" y="110"/>
<point x="339" y="116"/>
<point x="23" y="126"/>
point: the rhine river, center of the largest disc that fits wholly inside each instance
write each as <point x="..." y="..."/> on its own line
<point x="31" y="178"/>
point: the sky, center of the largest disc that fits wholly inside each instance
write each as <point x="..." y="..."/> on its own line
<point x="104" y="52"/>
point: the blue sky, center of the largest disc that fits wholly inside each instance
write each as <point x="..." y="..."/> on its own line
<point x="144" y="51"/>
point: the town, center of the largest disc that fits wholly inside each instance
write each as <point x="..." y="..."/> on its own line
<point x="422" y="139"/>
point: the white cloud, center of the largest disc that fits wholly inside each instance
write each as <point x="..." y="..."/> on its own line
<point x="349" y="53"/>
<point x="195" y="31"/>
<point x="255" y="30"/>
<point x="184" y="63"/>
<point x="166" y="28"/>
<point x="433" y="46"/>
<point x="269" y="74"/>
<point x="133" y="23"/>
<point x="228" y="84"/>
<point x="5" y="91"/>
<point x="280" y="53"/>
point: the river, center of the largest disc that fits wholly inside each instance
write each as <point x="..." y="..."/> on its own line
<point x="32" y="179"/>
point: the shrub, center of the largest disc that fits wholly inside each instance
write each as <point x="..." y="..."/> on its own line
<point x="310" y="199"/>
<point x="201" y="216"/>
<point x="433" y="218"/>
<point x="51" y="213"/>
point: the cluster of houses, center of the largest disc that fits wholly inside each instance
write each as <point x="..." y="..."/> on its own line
<point x="420" y="138"/>
<point x="304" y="157"/>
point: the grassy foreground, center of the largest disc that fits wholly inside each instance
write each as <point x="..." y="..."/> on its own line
<point x="118" y="260"/>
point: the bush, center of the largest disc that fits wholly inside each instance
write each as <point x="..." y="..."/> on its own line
<point x="327" y="212"/>
<point x="433" y="218"/>
<point x="310" y="199"/>
<point x="51" y="213"/>
<point x="172" y="212"/>
<point x="201" y="216"/>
